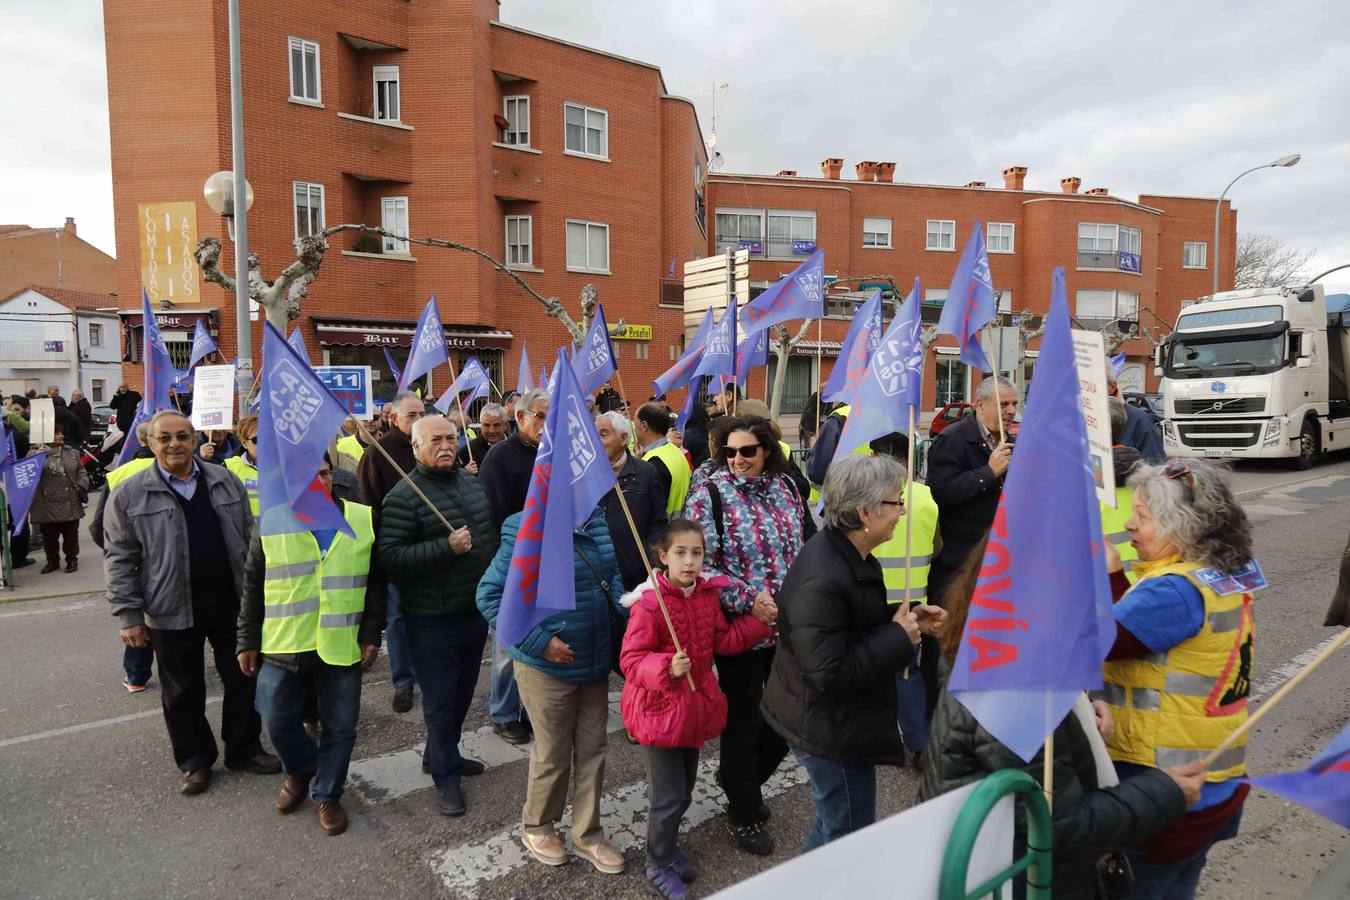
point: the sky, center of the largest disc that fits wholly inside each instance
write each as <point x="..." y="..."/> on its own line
<point x="1152" y="96"/>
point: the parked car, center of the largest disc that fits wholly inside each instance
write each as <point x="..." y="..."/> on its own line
<point x="1149" y="403"/>
<point x="103" y="417"/>
<point x="952" y="412"/>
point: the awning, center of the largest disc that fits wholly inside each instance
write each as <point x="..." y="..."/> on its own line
<point x="172" y="319"/>
<point x="826" y="348"/>
<point x="344" y="332"/>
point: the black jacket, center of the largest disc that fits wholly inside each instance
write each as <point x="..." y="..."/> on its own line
<point x="478" y="446"/>
<point x="505" y="475"/>
<point x="822" y="452"/>
<point x="81" y="410"/>
<point x="1141" y="435"/>
<point x="832" y="688"/>
<point x="125" y="407"/>
<point x="375" y="477"/>
<point x="248" y="635"/>
<point x="647" y="503"/>
<point x="965" y="488"/>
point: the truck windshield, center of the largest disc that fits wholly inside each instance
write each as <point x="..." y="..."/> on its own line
<point x="1215" y="356"/>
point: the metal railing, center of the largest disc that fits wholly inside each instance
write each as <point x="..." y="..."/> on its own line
<point x="960" y="846"/>
<point x="36" y="352"/>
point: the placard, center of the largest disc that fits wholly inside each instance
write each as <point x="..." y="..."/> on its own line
<point x="1089" y="354"/>
<point x="41" y="420"/>
<point x="351" y="385"/>
<point x="213" y="398"/>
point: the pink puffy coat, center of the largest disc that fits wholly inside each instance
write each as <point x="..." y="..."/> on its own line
<point x="660" y="711"/>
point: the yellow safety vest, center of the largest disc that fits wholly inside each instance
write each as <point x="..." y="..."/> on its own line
<point x="787" y="451"/>
<point x="127" y="469"/>
<point x="1113" y="527"/>
<point x="249" y="476"/>
<point x="1175" y="707"/>
<point x="673" y="457"/>
<point x="863" y="450"/>
<point x="314" y="601"/>
<point x="352" y="446"/>
<point x="922" y="510"/>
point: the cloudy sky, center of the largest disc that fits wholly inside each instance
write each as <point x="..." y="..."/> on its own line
<point x="1152" y="96"/>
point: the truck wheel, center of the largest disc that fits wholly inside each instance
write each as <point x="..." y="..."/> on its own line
<point x="1307" y="447"/>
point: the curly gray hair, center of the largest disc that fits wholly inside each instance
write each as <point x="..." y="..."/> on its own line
<point x="1195" y="509"/>
<point x="858" y="482"/>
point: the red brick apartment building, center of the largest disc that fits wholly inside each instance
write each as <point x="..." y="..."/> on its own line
<point x="575" y="166"/>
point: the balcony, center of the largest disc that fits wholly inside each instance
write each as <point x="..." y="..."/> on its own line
<point x="517" y="173"/>
<point x="1110" y="261"/>
<point x="768" y="248"/>
<point x="36" y="354"/>
<point x="376" y="150"/>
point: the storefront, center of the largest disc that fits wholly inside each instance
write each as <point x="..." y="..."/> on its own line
<point x="177" y="327"/>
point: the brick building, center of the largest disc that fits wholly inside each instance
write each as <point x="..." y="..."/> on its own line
<point x="53" y="256"/>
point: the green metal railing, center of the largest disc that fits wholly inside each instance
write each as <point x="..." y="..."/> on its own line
<point x="1035" y="863"/>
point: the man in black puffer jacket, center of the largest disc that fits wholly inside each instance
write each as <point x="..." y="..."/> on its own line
<point x="437" y="575"/>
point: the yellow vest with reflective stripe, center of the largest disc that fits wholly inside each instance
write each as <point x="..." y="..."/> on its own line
<point x="1175" y="707"/>
<point x="249" y="476"/>
<point x="352" y="446"/>
<point x="922" y="511"/>
<point x="127" y="469"/>
<point x="1113" y="527"/>
<point x="313" y="601"/>
<point x="787" y="451"/>
<point x="674" y="460"/>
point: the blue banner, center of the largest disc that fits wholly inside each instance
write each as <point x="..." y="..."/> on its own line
<point x="864" y="335"/>
<point x="680" y="373"/>
<point x="891" y="383"/>
<point x="719" y="351"/>
<point x="472" y="378"/>
<point x="524" y="377"/>
<point x="1323" y="787"/>
<point x="202" y="344"/>
<point x="970" y="302"/>
<point x="799" y="295"/>
<point x="428" y="345"/>
<point x="594" y="362"/>
<point x="21" y="482"/>
<point x="350" y="385"/>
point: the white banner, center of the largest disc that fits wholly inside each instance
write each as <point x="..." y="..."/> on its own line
<point x="41" y="420"/>
<point x="1089" y="355"/>
<point x="213" y="398"/>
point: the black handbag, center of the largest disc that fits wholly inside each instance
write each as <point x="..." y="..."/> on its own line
<point x="1115" y="878"/>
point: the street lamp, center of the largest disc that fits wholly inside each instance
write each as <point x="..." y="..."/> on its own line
<point x="219" y="193"/>
<point x="225" y="197"/>
<point x="1283" y="162"/>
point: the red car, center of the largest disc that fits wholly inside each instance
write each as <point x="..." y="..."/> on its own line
<point x="952" y="412"/>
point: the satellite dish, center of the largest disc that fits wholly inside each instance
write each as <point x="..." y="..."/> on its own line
<point x="711" y="142"/>
<point x="716" y="161"/>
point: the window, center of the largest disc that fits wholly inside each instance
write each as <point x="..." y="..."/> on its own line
<point x="798" y="382"/>
<point x="386" y="93"/>
<point x="97" y="389"/>
<point x="305" y="70"/>
<point x="1097" y="308"/>
<point x="587" y="247"/>
<point x="740" y="226"/>
<point x="791" y="232"/>
<point x="941" y="235"/>
<point x="1000" y="237"/>
<point x="308" y="208"/>
<point x="516" y="109"/>
<point x="952" y="376"/>
<point x="700" y="210"/>
<point x="587" y="130"/>
<point x="394" y="217"/>
<point x="95" y="334"/>
<point x="1114" y="247"/>
<point x="876" y="232"/>
<point x="1131" y="240"/>
<point x="519" y="246"/>
<point x="1193" y="254"/>
<point x="1094" y="238"/>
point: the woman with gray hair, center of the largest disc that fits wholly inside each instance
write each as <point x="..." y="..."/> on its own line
<point x="1178" y="677"/>
<point x="831" y="694"/>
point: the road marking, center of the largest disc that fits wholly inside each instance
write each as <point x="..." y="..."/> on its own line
<point x="42" y="612"/>
<point x="624" y="814"/>
<point x="1289" y="670"/>
<point x="86" y="726"/>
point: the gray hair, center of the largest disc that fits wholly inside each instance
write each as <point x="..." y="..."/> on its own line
<point x="492" y="409"/>
<point x="416" y="435"/>
<point x="986" y="388"/>
<point x="1116" y="407"/>
<point x="617" y="421"/>
<point x="532" y="396"/>
<point x="1197" y="512"/>
<point x="858" y="482"/>
<point x="400" y="396"/>
<point x="164" y="414"/>
<point x="143" y="434"/>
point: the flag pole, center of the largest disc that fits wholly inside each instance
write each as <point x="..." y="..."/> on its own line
<point x="1048" y="769"/>
<point x="402" y="474"/>
<point x="623" y="392"/>
<point x="820" y="362"/>
<point x="998" y="401"/>
<point x="464" y="417"/>
<point x="660" y="600"/>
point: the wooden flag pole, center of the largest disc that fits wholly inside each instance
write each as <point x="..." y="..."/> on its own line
<point x="370" y="440"/>
<point x="623" y="394"/>
<point x="1048" y="769"/>
<point x="660" y="600"/>
<point x="820" y="362"/>
<point x="998" y="401"/>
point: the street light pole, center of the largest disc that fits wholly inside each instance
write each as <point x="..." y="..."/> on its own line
<point x="242" y="320"/>
<point x="1283" y="162"/>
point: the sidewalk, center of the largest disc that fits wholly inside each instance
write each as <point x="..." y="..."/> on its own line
<point x="30" y="584"/>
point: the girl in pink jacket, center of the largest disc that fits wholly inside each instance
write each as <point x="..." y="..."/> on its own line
<point x="659" y="708"/>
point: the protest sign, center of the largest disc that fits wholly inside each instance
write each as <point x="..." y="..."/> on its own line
<point x="351" y="386"/>
<point x="41" y="421"/>
<point x="213" y="397"/>
<point x="1089" y="356"/>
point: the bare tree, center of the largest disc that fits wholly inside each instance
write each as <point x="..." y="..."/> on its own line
<point x="1266" y="261"/>
<point x="783" y="343"/>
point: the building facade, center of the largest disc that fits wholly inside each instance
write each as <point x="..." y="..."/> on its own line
<point x="58" y="257"/>
<point x="67" y="338"/>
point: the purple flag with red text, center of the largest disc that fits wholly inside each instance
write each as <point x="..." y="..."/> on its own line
<point x="719" y="350"/>
<point x="21" y="481"/>
<point x="571" y="474"/>
<point x="864" y="335"/>
<point x="683" y="370"/>
<point x="1323" y="787"/>
<point x="472" y="378"/>
<point x="203" y="345"/>
<point x="595" y="362"/>
<point x="428" y="346"/>
<point x="1040" y="621"/>
<point x="970" y="302"/>
<point x="159" y="378"/>
<point x="799" y="295"/>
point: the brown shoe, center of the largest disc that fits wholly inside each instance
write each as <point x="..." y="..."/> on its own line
<point x="293" y="792"/>
<point x="601" y="854"/>
<point x="332" y="817"/>
<point x="195" y="782"/>
<point x="547" y="847"/>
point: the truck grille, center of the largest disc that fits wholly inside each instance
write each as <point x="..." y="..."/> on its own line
<point x="1220" y="434"/>
<point x="1206" y="407"/>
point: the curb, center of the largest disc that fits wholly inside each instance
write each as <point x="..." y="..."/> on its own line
<point x="22" y="597"/>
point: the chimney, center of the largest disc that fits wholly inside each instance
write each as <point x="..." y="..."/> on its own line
<point x="1100" y="192"/>
<point x="831" y="168"/>
<point x="787" y="173"/>
<point x="1014" y="177"/>
<point x="1070" y="185"/>
<point x="70" y="224"/>
<point x="867" y="171"/>
<point x="976" y="184"/>
<point x="886" y="172"/>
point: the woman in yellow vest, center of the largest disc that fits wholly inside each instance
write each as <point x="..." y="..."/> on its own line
<point x="1177" y="678"/>
<point x="245" y="465"/>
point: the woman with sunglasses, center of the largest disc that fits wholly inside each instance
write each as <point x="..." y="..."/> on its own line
<point x="752" y="518"/>
<point x="1178" y="677"/>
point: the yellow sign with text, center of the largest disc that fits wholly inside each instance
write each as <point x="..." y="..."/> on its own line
<point x="168" y="237"/>
<point x="632" y="333"/>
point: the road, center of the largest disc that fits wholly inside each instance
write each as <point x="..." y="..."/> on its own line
<point x="91" y="806"/>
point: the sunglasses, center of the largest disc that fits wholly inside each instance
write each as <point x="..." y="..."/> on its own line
<point x="749" y="451"/>
<point x="1176" y="469"/>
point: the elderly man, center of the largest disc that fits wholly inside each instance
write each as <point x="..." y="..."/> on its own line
<point x="505" y="475"/>
<point x="80" y="409"/>
<point x="124" y="403"/>
<point x="672" y="467"/>
<point x="641" y="489"/>
<point x="491" y="432"/>
<point x="176" y="535"/>
<point x="1139" y="432"/>
<point x="376" y="478"/>
<point x="437" y="573"/>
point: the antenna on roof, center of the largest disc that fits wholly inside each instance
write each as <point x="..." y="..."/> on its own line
<point x="714" y="157"/>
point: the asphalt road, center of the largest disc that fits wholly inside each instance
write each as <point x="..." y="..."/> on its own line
<point x="91" y="807"/>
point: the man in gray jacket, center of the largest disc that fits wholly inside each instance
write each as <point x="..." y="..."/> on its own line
<point x="176" y="536"/>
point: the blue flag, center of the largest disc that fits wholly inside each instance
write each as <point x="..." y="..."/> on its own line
<point x="297" y="342"/>
<point x="130" y="441"/>
<point x="891" y="383"/>
<point x="753" y="352"/>
<point x="21" y="481"/>
<point x="800" y="295"/>
<point x="202" y="344"/>
<point x="159" y="368"/>
<point x="673" y="260"/>
<point x="428" y="346"/>
<point x="719" y="352"/>
<point x="1040" y="621"/>
<point x="1117" y="363"/>
<point x="7" y="451"/>
<point x="562" y="495"/>
<point x="524" y="377"/>
<point x="393" y="366"/>
<point x="687" y="410"/>
<point x="297" y="418"/>
<point x="473" y="377"/>
<point x="864" y="335"/>
<point x="683" y="370"/>
<point x="1323" y="787"/>
<point x="970" y="302"/>
<point x="595" y="362"/>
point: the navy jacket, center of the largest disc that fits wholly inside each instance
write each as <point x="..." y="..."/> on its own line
<point x="1140" y="434"/>
<point x="647" y="502"/>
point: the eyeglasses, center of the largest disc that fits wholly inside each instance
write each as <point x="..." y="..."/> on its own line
<point x="899" y="503"/>
<point x="749" y="451"/>
<point x="182" y="437"/>
<point x="416" y="414"/>
<point x="325" y="473"/>
<point x="541" y="416"/>
<point x="1177" y="468"/>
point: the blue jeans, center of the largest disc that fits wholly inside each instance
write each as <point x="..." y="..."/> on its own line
<point x="281" y="701"/>
<point x="138" y="662"/>
<point x="446" y="654"/>
<point x="504" y="700"/>
<point x="845" y="798"/>
<point x="910" y="708"/>
<point x="1178" y="880"/>
<point x="396" y="638"/>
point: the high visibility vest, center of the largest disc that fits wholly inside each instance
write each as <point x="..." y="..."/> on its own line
<point x="1175" y="707"/>
<point x="922" y="510"/>
<point x="674" y="460"/>
<point x="1113" y="527"/>
<point x="787" y="451"/>
<point x="862" y="450"/>
<point x="352" y="446"/>
<point x="127" y="469"/>
<point x="314" y="601"/>
<point x="249" y="476"/>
